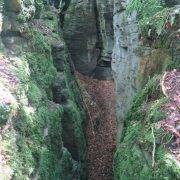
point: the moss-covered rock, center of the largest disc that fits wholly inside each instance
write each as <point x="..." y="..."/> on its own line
<point x="32" y="137"/>
<point x="13" y="5"/>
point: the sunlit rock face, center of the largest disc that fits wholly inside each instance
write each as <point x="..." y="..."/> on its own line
<point x="124" y="61"/>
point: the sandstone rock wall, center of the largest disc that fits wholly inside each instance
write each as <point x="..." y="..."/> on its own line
<point x="92" y="32"/>
<point x="125" y="61"/>
<point x="41" y="115"/>
<point x="88" y="31"/>
<point x="80" y="33"/>
<point x="105" y="25"/>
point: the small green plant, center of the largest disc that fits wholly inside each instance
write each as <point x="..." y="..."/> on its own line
<point x="39" y="7"/>
<point x="42" y="69"/>
<point x="39" y="42"/>
<point x="151" y="89"/>
<point x="144" y="155"/>
<point x="152" y="15"/>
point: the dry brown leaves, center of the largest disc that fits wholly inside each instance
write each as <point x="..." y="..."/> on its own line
<point x="99" y="97"/>
<point x="171" y="88"/>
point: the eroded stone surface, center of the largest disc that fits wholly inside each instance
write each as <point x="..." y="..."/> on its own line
<point x="80" y="33"/>
<point x="88" y="31"/>
<point x="125" y="61"/>
<point x="105" y="20"/>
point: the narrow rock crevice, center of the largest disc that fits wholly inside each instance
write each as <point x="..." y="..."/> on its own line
<point x="91" y="52"/>
<point x="99" y="100"/>
<point x="65" y="93"/>
<point x="99" y="43"/>
<point x="69" y="72"/>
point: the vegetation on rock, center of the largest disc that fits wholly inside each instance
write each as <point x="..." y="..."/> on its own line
<point x="155" y="19"/>
<point x="143" y="145"/>
<point x="32" y="135"/>
<point x="149" y="147"/>
<point x="42" y="118"/>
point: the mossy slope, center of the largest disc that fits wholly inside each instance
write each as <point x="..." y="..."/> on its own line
<point x="141" y="154"/>
<point x="31" y="123"/>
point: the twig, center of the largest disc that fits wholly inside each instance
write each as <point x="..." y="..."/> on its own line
<point x="91" y="121"/>
<point x="84" y="102"/>
<point x="154" y="148"/>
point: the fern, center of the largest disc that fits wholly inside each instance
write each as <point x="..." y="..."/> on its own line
<point x="152" y="15"/>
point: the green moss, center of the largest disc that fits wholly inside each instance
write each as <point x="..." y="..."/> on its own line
<point x="39" y="7"/>
<point x="155" y="113"/>
<point x="8" y="105"/>
<point x="33" y="144"/>
<point x="52" y="153"/>
<point x="40" y="60"/>
<point x="151" y="90"/>
<point x="152" y="62"/>
<point x="174" y="64"/>
<point x="8" y="142"/>
<point x="38" y="42"/>
<point x="34" y="94"/>
<point x="21" y="69"/>
<point x="133" y="158"/>
<point x="5" y="111"/>
<point x="128" y="169"/>
<point x="51" y="22"/>
<point x="75" y="115"/>
<point x="45" y="163"/>
<point x="42" y="69"/>
<point x="67" y="164"/>
<point x="24" y="8"/>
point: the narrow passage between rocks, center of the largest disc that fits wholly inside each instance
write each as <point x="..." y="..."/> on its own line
<point x="99" y="99"/>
